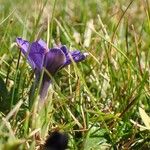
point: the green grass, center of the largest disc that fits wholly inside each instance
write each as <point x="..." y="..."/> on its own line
<point x="93" y="101"/>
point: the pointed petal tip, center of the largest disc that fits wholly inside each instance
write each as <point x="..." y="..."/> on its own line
<point x="21" y="41"/>
<point x="18" y="40"/>
<point x="22" y="44"/>
<point x="86" y="54"/>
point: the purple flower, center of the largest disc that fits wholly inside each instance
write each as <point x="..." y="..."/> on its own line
<point x="54" y="59"/>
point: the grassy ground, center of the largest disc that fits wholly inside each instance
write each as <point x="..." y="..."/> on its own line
<point x="96" y="101"/>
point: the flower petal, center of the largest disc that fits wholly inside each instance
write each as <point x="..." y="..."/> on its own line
<point x="34" y="52"/>
<point x="54" y="59"/>
<point x="64" y="49"/>
<point x="37" y="53"/>
<point x="43" y="44"/>
<point x="23" y="44"/>
<point x="76" y="55"/>
<point x="24" y="47"/>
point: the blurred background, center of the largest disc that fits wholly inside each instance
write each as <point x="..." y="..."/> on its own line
<point x="95" y="103"/>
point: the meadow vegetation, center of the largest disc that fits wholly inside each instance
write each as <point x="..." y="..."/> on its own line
<point x="101" y="101"/>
